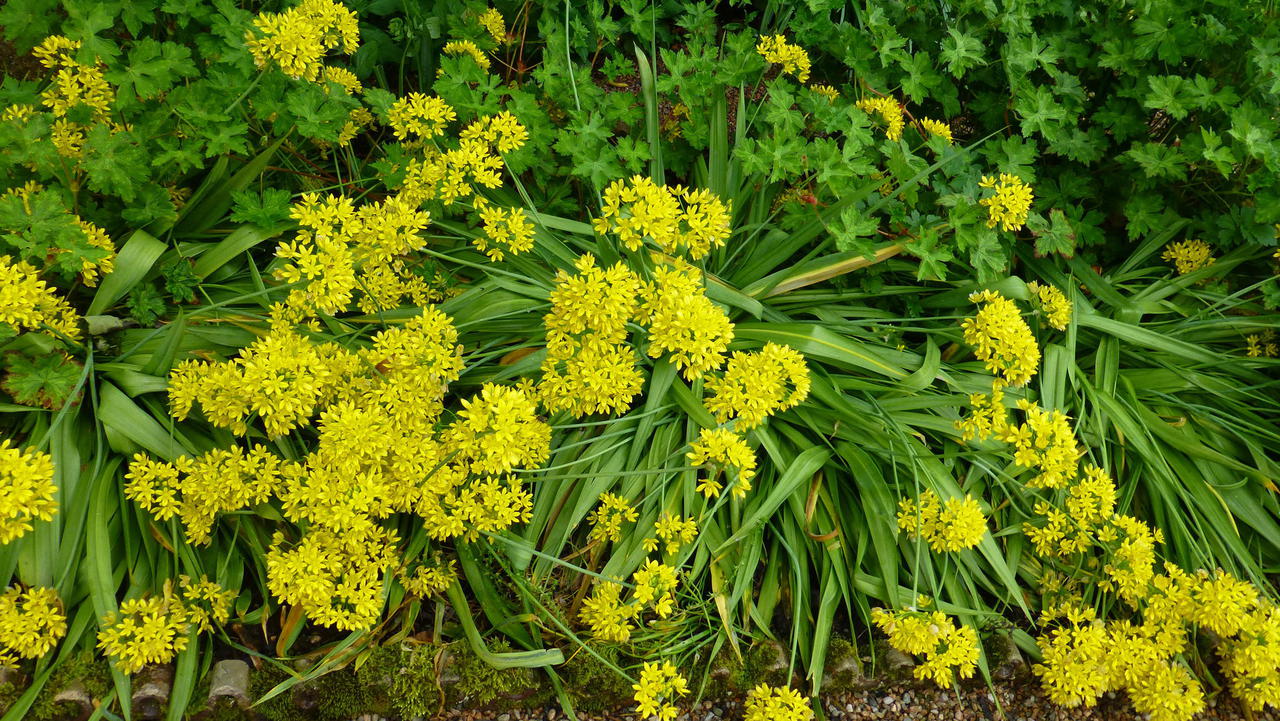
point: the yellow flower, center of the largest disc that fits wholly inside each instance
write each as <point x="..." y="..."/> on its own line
<point x="1054" y="304"/>
<point x="607" y="519"/>
<point x="1188" y="255"/>
<point x="505" y="231"/>
<point x="1046" y="443"/>
<point x="721" y="446"/>
<point x="342" y="77"/>
<point x="675" y="218"/>
<point x="937" y="128"/>
<point x="466" y="47"/>
<point x="608" y="617"/>
<point x="32" y="622"/>
<point x="336" y="578"/>
<point x="96" y="237"/>
<point x="491" y="20"/>
<point x="889" y="110"/>
<point x="26" y="477"/>
<point x="498" y="431"/>
<point x="1010" y="204"/>
<point x="429" y="580"/>
<point x="672" y="530"/>
<point x="660" y="684"/>
<point x="145" y="631"/>
<point x="766" y="703"/>
<point x="207" y="603"/>
<point x="655" y="586"/>
<point x="757" y="385"/>
<point x="953" y="525"/>
<point x="682" y="321"/>
<point x="420" y="115"/>
<point x="28" y="303"/>
<point x="297" y="39"/>
<point x="948" y="651"/>
<point x="55" y="51"/>
<point x="793" y="59"/>
<point x="1001" y="338"/>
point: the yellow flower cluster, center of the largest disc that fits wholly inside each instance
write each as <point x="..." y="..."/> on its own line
<point x="1262" y="345"/>
<point x="793" y="59"/>
<point x="758" y="384"/>
<point x="660" y="684"/>
<point x="1086" y="657"/>
<point x="74" y="84"/>
<point x="890" y="112"/>
<point x="206" y="602"/>
<point x="452" y="174"/>
<point x="281" y="379"/>
<point x="152" y="630"/>
<point x="1188" y="255"/>
<point x="953" y="525"/>
<point x="1053" y="303"/>
<point x="32" y="622"/>
<point x="197" y="489"/>
<point x="466" y="47"/>
<point x="429" y="580"/>
<point x="607" y="519"/>
<point x="589" y="367"/>
<point x="1010" y="204"/>
<point x="675" y="218"/>
<point x="948" y="651"/>
<point x="673" y="532"/>
<point x="505" y="230"/>
<point x="656" y="584"/>
<point x="96" y="237"/>
<point x="298" y="39"/>
<point x="337" y="247"/>
<point x="491" y="20"/>
<point x="723" y="447"/>
<point x="336" y="578"/>
<point x="766" y="703"/>
<point x="1002" y="339"/>
<point x="937" y="128"/>
<point x="606" y="615"/>
<point x="683" y="321"/>
<point x="28" y="303"/>
<point x="420" y="115"/>
<point x="26" y="477"/>
<point x="826" y="91"/>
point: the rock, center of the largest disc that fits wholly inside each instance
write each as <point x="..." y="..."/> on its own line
<point x="505" y="717"/>
<point x="229" y="683"/>
<point x="76" y="695"/>
<point x="152" y="686"/>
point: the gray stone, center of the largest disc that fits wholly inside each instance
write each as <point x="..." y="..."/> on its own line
<point x="152" y="686"/>
<point x="229" y="683"/>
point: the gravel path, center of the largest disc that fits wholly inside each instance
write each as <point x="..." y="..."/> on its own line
<point x="1010" y="702"/>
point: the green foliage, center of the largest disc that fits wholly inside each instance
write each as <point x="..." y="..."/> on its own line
<point x="44" y="380"/>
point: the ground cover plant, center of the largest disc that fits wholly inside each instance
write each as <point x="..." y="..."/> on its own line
<point x="617" y="344"/>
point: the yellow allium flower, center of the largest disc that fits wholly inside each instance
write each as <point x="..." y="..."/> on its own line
<point x="420" y="115"/>
<point x="498" y="431"/>
<point x="609" y="618"/>
<point x="26" y="490"/>
<point x="297" y="39"/>
<point x="672" y="530"/>
<point x="937" y="128"/>
<point x="953" y="525"/>
<point x="1188" y="255"/>
<point x="1001" y="338"/>
<point x="343" y="78"/>
<point x="1009" y="205"/>
<point x="757" y="385"/>
<point x="767" y="703"/>
<point x="660" y="684"/>
<point x="145" y="631"/>
<point x="1046" y="443"/>
<point x="683" y="322"/>
<point x="826" y="91"/>
<point x="429" y="580"/>
<point x="466" y="47"/>
<point x="206" y="602"/>
<point x="793" y="59"/>
<point x="55" y="51"/>
<point x="675" y="218"/>
<point x="491" y="20"/>
<point x="723" y="447"/>
<point x="1054" y="304"/>
<point x="505" y="231"/>
<point x="336" y="578"/>
<point x="32" y="621"/>
<point x="607" y="519"/>
<point x="889" y="110"/>
<point x="28" y="303"/>
<point x="96" y="237"/>
<point x="655" y="586"/>
<point x="948" y="651"/>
